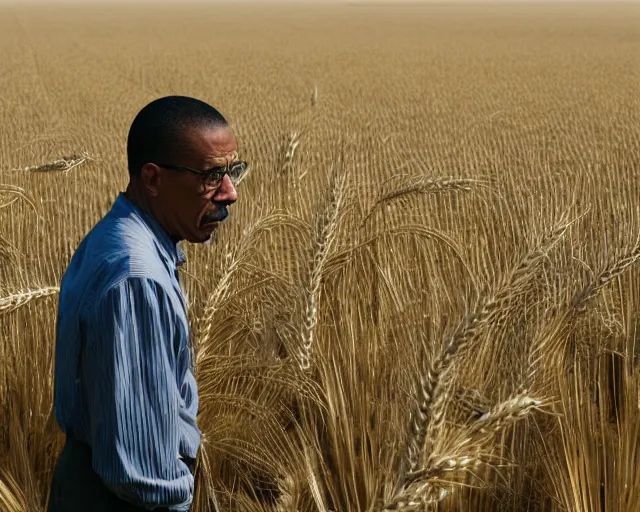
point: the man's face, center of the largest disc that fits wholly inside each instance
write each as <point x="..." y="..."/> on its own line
<point x="190" y="210"/>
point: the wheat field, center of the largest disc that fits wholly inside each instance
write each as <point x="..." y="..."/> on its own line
<point x="427" y="295"/>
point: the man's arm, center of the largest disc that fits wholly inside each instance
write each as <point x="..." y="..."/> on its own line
<point x="128" y="368"/>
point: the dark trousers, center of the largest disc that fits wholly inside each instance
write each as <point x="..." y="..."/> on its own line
<point x="77" y="488"/>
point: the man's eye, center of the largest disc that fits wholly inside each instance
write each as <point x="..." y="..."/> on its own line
<point x="213" y="177"/>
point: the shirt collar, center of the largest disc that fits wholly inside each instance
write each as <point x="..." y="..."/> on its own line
<point x="172" y="248"/>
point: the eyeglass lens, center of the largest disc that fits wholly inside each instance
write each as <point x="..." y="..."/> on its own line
<point x="235" y="172"/>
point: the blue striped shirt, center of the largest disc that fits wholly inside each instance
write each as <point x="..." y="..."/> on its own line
<point x="124" y="380"/>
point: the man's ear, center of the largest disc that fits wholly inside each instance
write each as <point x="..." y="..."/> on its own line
<point x="150" y="178"/>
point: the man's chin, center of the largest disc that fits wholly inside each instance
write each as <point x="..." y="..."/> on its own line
<point x="203" y="237"/>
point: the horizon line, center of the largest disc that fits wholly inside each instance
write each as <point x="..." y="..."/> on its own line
<point x="301" y="2"/>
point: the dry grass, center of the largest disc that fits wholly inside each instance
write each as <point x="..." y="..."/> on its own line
<point x="65" y="163"/>
<point x="20" y="298"/>
<point x="427" y="295"/>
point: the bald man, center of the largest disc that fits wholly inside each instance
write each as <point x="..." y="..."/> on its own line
<point x="124" y="388"/>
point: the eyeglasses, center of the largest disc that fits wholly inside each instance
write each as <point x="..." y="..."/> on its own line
<point x="213" y="177"/>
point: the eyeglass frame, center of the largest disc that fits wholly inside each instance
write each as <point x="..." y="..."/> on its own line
<point x="221" y="171"/>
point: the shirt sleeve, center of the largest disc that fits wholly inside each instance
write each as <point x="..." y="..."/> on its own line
<point x="128" y="372"/>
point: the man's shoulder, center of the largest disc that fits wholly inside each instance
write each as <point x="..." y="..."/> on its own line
<point x="117" y="248"/>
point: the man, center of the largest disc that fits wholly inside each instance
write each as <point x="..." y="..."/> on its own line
<point x="124" y="387"/>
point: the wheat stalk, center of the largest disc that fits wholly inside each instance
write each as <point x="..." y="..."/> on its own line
<point x="341" y="258"/>
<point x="604" y="277"/>
<point x="432" y="399"/>
<point x="470" y="403"/>
<point x="19" y="192"/>
<point x="19" y="299"/>
<point x="505" y="413"/>
<point x="235" y="260"/>
<point x="8" y="252"/>
<point x="420" y="490"/>
<point x="291" y="144"/>
<point x="12" y="497"/>
<point x="550" y="338"/>
<point x="495" y="419"/>
<point x="65" y="163"/>
<point x="423" y="185"/>
<point x="323" y="238"/>
<point x="430" y="391"/>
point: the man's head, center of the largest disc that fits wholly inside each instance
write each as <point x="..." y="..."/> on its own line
<point x="169" y="139"/>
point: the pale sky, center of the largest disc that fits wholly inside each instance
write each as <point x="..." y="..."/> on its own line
<point x="292" y="2"/>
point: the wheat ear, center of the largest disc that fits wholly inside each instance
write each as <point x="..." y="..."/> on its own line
<point x="18" y="299"/>
<point x="431" y="397"/>
<point x="550" y="339"/>
<point x="420" y="490"/>
<point x="506" y="413"/>
<point x="65" y="163"/>
<point x="323" y="239"/>
<point x="495" y="419"/>
<point x="604" y="277"/>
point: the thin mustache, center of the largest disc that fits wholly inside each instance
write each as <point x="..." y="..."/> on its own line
<point x="219" y="214"/>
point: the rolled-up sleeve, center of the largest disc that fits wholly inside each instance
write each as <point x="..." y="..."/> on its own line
<point x="128" y="370"/>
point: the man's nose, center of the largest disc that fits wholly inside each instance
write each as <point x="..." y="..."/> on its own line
<point x="227" y="192"/>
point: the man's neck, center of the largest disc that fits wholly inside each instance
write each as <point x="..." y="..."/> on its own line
<point x="134" y="196"/>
